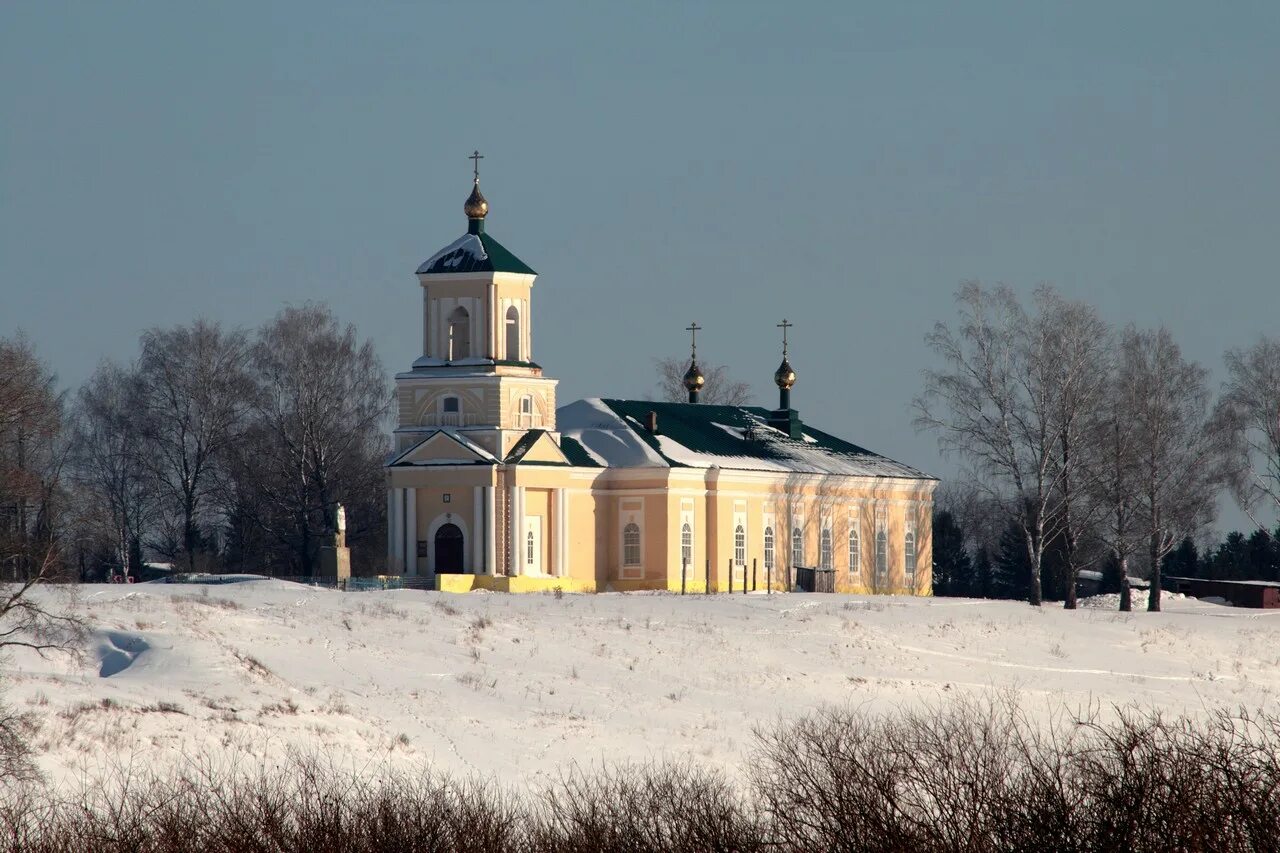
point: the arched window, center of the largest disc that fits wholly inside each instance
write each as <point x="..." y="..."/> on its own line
<point x="824" y="551"/>
<point x="855" y="550"/>
<point x="459" y="334"/>
<point x="513" y="334"/>
<point x="882" y="556"/>
<point x="768" y="548"/>
<point x="686" y="544"/>
<point x="631" y="545"/>
<point x="797" y="546"/>
<point x="740" y="545"/>
<point x="451" y="412"/>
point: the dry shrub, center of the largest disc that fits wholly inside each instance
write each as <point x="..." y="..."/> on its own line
<point x="670" y="807"/>
<point x="968" y="777"/>
<point x="980" y="777"/>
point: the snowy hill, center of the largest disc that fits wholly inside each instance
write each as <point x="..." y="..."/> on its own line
<point x="519" y="686"/>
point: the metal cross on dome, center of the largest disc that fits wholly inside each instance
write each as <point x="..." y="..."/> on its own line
<point x="476" y="157"/>
<point x="784" y="325"/>
<point x="693" y="329"/>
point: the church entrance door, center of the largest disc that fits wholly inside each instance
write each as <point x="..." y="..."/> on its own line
<point x="449" y="550"/>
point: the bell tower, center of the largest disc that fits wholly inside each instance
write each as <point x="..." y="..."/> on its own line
<point x="476" y="374"/>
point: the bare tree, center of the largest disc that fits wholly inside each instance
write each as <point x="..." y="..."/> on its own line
<point x="109" y="462"/>
<point x="1177" y="470"/>
<point x="998" y="403"/>
<point x="1078" y="344"/>
<point x="31" y="455"/>
<point x="1249" y="412"/>
<point x="1112" y="481"/>
<point x="720" y="389"/>
<point x="316" y="434"/>
<point x="194" y="395"/>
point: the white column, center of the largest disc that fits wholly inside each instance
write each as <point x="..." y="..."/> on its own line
<point x="477" y="531"/>
<point x="391" y="529"/>
<point x="426" y="322"/>
<point x="566" y="553"/>
<point x="490" y="530"/>
<point x="560" y="546"/>
<point x="396" y="523"/>
<point x="491" y="345"/>
<point x="517" y="530"/>
<point x="411" y="531"/>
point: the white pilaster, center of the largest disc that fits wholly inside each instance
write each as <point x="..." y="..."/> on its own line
<point x="560" y="544"/>
<point x="396" y="523"/>
<point x="491" y="348"/>
<point x="477" y="531"/>
<point x="426" y="322"/>
<point x="391" y="530"/>
<point x="411" y="531"/>
<point x="490" y="530"/>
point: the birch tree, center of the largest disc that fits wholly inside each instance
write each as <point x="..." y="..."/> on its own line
<point x="108" y="460"/>
<point x="194" y="393"/>
<point x="31" y="455"/>
<point x="316" y="435"/>
<point x="1112" y="481"/>
<point x="1078" y="346"/>
<point x="1177" y="468"/>
<point x="1249" y="413"/>
<point x="994" y="403"/>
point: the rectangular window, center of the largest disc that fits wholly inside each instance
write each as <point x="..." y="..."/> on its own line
<point x="909" y="548"/>
<point x="855" y="545"/>
<point x="882" y="546"/>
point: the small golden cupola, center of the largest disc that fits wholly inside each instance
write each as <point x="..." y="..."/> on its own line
<point x="785" y="418"/>
<point x="476" y="206"/>
<point x="785" y="376"/>
<point x="693" y="378"/>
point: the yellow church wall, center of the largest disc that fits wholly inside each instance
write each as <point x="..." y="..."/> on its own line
<point x="537" y="504"/>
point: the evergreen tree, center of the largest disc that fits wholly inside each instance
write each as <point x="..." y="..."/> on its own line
<point x="1231" y="559"/>
<point x="1012" y="568"/>
<point x="1183" y="561"/>
<point x="952" y="568"/>
<point x="1263" y="556"/>
<point x="1112" y="576"/>
<point x="983" y="575"/>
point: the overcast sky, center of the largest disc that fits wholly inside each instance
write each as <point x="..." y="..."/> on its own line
<point x="843" y="165"/>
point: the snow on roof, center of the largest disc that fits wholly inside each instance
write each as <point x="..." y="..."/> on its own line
<point x="466" y="248"/>
<point x="613" y="434"/>
<point x="605" y="436"/>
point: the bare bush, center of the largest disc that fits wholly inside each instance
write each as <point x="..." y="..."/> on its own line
<point x="669" y="807"/>
<point x="969" y="777"/>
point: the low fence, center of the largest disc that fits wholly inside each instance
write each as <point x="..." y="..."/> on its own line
<point x="377" y="583"/>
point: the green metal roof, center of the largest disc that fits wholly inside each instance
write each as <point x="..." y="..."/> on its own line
<point x="474" y="253"/>
<point x="692" y="435"/>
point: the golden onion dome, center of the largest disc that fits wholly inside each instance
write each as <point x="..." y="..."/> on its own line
<point x="785" y="375"/>
<point x="693" y="378"/>
<point x="477" y="206"/>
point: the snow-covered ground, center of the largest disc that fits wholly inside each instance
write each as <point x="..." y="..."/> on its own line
<point x="518" y="687"/>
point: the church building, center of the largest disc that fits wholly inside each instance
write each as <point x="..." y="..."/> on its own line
<point x="493" y="486"/>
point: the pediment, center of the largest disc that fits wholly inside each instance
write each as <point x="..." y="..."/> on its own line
<point x="444" y="448"/>
<point x="537" y="446"/>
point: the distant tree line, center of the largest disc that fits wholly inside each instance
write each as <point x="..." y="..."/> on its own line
<point x="213" y="450"/>
<point x="1092" y="448"/>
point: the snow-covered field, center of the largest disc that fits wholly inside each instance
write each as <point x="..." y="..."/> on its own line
<point x="518" y="687"/>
